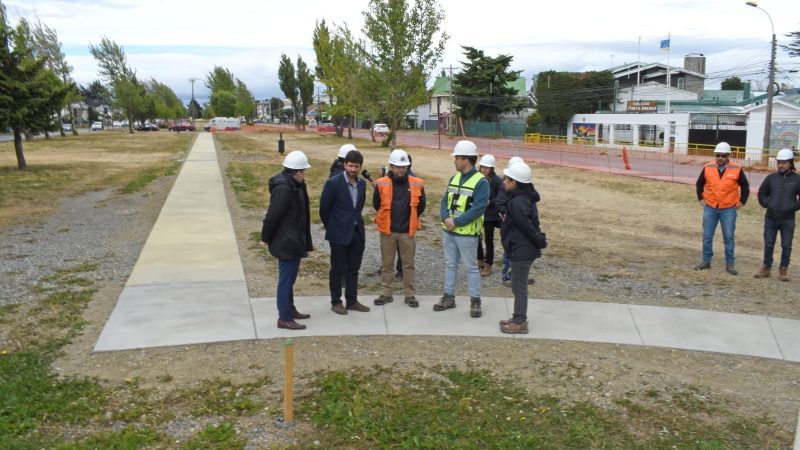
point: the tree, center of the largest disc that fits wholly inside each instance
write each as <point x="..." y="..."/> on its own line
<point x="288" y="83"/>
<point x="794" y="46"/>
<point x="305" y="85"/>
<point x="194" y="109"/>
<point x="166" y="104"/>
<point x="732" y="84"/>
<point x="220" y="79"/>
<point x="275" y="106"/>
<point x="29" y="91"/>
<point x="46" y="44"/>
<point x="560" y="95"/>
<point x="404" y="45"/>
<point x="482" y="87"/>
<point x="223" y="103"/>
<point x="128" y="92"/>
<point x="95" y="95"/>
<point x="245" y="102"/>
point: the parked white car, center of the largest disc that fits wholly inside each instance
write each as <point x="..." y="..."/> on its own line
<point x="381" y="129"/>
<point x="96" y="126"/>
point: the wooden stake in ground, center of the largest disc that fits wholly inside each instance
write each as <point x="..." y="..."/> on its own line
<point x="288" y="381"/>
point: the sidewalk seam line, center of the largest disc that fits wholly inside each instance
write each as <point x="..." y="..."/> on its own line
<point x="636" y="325"/>
<point x="774" y="336"/>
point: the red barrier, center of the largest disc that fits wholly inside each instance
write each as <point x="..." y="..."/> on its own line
<point x="625" y="158"/>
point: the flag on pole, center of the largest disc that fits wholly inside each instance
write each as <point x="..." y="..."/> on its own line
<point x="665" y="45"/>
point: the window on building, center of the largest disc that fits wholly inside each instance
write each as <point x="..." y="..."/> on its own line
<point x="681" y="83"/>
<point x="623" y="133"/>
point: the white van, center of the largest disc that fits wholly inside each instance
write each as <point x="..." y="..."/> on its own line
<point x="223" y="124"/>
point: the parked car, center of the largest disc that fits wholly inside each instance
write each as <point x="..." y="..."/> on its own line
<point x="312" y="123"/>
<point x="182" y="126"/>
<point x="124" y="123"/>
<point x="380" y="129"/>
<point x="147" y="127"/>
<point x="96" y="126"/>
<point x="326" y="127"/>
<point x="116" y="124"/>
<point x="67" y="127"/>
<point x="223" y="124"/>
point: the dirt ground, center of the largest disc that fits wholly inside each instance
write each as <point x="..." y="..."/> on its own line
<point x="613" y="239"/>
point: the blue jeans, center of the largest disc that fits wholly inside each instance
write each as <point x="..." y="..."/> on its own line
<point x="465" y="249"/>
<point x="771" y="228"/>
<point x="727" y="218"/>
<point x="287" y="275"/>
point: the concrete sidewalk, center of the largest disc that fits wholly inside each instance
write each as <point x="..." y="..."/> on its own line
<point x="188" y="287"/>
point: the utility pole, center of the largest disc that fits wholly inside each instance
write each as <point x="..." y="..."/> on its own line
<point x="450" y="101"/>
<point x="193" y="102"/>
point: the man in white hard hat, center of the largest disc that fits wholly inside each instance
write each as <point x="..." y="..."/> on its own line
<point x="340" y="206"/>
<point x="779" y="193"/>
<point x="337" y="166"/>
<point x="399" y="199"/>
<point x="722" y="188"/>
<point x="287" y="233"/>
<point x="462" y="208"/>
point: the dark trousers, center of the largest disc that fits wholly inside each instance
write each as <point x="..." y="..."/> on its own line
<point x="519" y="287"/>
<point x="488" y="237"/>
<point x="345" y="264"/>
<point x="287" y="275"/>
<point x="771" y="229"/>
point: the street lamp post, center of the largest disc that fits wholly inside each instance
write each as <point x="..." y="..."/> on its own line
<point x="771" y="87"/>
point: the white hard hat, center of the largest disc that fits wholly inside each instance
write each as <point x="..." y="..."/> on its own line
<point x="487" y="161"/>
<point x="296" y="160"/>
<point x="519" y="172"/>
<point x="399" y="157"/>
<point x="722" y="147"/>
<point x="465" y="148"/>
<point x="515" y="159"/>
<point x="345" y="149"/>
<point x="785" y="155"/>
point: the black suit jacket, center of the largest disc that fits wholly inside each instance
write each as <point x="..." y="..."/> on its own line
<point x="336" y="210"/>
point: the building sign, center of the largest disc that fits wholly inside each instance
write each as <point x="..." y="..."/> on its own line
<point x="642" y="106"/>
<point x="583" y="130"/>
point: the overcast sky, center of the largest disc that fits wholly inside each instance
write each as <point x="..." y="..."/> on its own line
<point x="173" y="41"/>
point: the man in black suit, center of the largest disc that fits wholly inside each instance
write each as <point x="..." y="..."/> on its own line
<point x="340" y="208"/>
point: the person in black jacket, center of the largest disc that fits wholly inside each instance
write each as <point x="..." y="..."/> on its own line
<point x="518" y="233"/>
<point x="779" y="193"/>
<point x="287" y="233"/>
<point x="491" y="218"/>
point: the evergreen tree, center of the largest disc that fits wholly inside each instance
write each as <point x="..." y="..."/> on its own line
<point x="288" y="83"/>
<point x="560" y="95"/>
<point x="482" y="87"/>
<point x="732" y="84"/>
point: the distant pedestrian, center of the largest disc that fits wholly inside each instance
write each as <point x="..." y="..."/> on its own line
<point x="286" y="230"/>
<point x="722" y="188"/>
<point x="399" y="199"/>
<point x="462" y="208"/>
<point x="340" y="206"/>
<point x="491" y="218"/>
<point x="519" y="237"/>
<point x="779" y="193"/>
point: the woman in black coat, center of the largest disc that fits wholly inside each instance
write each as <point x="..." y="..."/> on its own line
<point x="518" y="234"/>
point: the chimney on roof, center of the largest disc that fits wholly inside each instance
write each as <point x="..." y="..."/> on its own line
<point x="695" y="62"/>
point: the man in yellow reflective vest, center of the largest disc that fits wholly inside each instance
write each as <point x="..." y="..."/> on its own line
<point x="462" y="208"/>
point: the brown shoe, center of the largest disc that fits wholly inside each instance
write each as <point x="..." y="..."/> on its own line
<point x="291" y="325"/>
<point x="412" y="301"/>
<point x="358" y="307"/>
<point x="383" y="299"/>
<point x="487" y="270"/>
<point x="762" y="273"/>
<point x="505" y="322"/>
<point x="515" y="328"/>
<point x="339" y="308"/>
<point x="782" y="274"/>
<point x="446" y="302"/>
<point x="297" y="315"/>
<point x="481" y="264"/>
<point x="475" y="307"/>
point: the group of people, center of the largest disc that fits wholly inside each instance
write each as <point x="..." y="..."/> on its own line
<point x="474" y="204"/>
<point x="722" y="188"/>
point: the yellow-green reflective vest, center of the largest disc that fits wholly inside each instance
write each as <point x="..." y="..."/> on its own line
<point x="459" y="199"/>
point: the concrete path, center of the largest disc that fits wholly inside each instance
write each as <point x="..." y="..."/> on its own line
<point x="188" y="287"/>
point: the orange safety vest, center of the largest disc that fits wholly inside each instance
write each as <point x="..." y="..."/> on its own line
<point x="384" y="217"/>
<point x="722" y="192"/>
